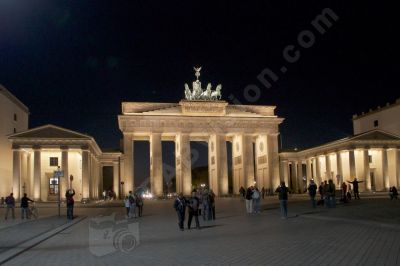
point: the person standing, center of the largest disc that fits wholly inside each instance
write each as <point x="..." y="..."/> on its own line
<point x="132" y="206"/>
<point x="321" y="193"/>
<point x="69" y="195"/>
<point x="326" y="194"/>
<point x="355" y="183"/>
<point x="282" y="191"/>
<point x="312" y="191"/>
<point x="242" y="192"/>
<point x="10" y="201"/>
<point x="206" y="205"/>
<point x="194" y="203"/>
<point x="332" y="194"/>
<point x="263" y="192"/>
<point x="256" y="200"/>
<point x="393" y="193"/>
<point x="127" y="206"/>
<point x="25" y="206"/>
<point x="139" y="205"/>
<point x="180" y="208"/>
<point x="249" y="200"/>
<point x="344" y="192"/>
<point x="212" y="203"/>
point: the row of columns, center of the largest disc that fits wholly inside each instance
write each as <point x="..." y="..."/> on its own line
<point x="263" y="168"/>
<point x="90" y="173"/>
<point x="386" y="168"/>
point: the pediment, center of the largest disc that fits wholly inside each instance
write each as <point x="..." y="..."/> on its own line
<point x="376" y="135"/>
<point x="50" y="132"/>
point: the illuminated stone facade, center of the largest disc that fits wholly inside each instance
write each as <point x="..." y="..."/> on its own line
<point x="214" y="122"/>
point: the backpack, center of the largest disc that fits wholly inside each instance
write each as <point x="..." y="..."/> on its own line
<point x="131" y="200"/>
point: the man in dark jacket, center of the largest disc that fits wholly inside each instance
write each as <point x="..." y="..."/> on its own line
<point x="180" y="208"/>
<point x="194" y="203"/>
<point x="355" y="183"/>
<point x="312" y="191"/>
<point x="25" y="206"/>
<point x="282" y="191"/>
<point x="69" y="195"/>
<point x="249" y="200"/>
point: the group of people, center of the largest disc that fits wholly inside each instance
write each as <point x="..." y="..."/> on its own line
<point x="10" y="202"/>
<point x="252" y="197"/>
<point x="201" y="201"/>
<point x="133" y="202"/>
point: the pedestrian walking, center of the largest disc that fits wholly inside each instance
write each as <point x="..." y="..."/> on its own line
<point x="193" y="205"/>
<point x="355" y="183"/>
<point x="69" y="195"/>
<point x="312" y="191"/>
<point x="282" y="191"/>
<point x="10" y="202"/>
<point x="205" y="201"/>
<point x="25" y="207"/>
<point x="180" y="208"/>
<point x="263" y="192"/>
<point x="249" y="200"/>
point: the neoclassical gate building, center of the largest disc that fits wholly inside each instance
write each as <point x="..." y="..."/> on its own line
<point x="252" y="130"/>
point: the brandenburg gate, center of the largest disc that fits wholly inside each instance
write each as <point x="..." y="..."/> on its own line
<point x="203" y="116"/>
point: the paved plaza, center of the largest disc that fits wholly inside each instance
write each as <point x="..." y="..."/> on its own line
<point x="364" y="232"/>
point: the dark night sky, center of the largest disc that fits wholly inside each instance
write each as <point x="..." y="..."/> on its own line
<point x="73" y="62"/>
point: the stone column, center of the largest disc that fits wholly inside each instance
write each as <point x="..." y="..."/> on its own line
<point x="218" y="164"/>
<point x="328" y="167"/>
<point x="37" y="174"/>
<point x="116" y="181"/>
<point x="156" y="170"/>
<point x="273" y="160"/>
<point x="64" y="166"/>
<point x="318" y="169"/>
<point x="367" y="177"/>
<point x="16" y="173"/>
<point x="248" y="160"/>
<point x="339" y="165"/>
<point x="385" y="169"/>
<point x="183" y="164"/>
<point x="300" y="181"/>
<point x="309" y="170"/>
<point x="85" y="173"/>
<point x="262" y="159"/>
<point x="285" y="173"/>
<point x="352" y="161"/>
<point x="398" y="167"/>
<point x="243" y="162"/>
<point x="294" y="181"/>
<point x="128" y="163"/>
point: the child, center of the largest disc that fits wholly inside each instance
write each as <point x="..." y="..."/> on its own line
<point x="127" y="206"/>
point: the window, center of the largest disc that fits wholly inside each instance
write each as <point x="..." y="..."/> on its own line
<point x="15" y="117"/>
<point x="370" y="158"/>
<point x="376" y="123"/>
<point x="53" y="161"/>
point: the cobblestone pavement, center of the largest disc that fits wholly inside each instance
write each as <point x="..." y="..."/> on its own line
<point x="364" y="232"/>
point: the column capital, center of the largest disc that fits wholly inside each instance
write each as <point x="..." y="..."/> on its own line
<point x="64" y="148"/>
<point x="16" y="147"/>
<point x="36" y="147"/>
<point x="85" y="148"/>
